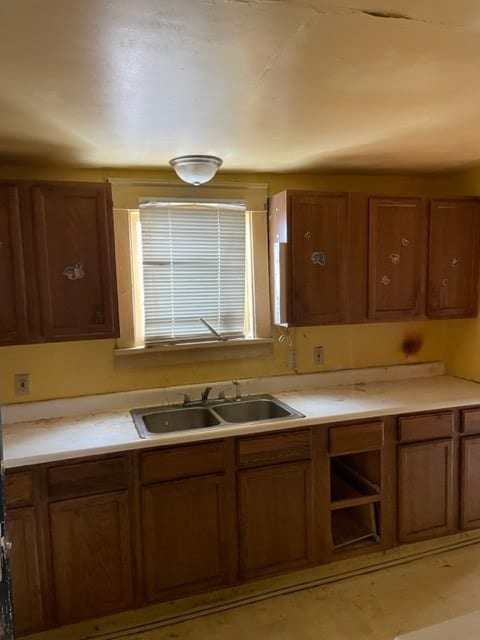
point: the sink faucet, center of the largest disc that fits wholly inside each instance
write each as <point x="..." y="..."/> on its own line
<point x="205" y="393"/>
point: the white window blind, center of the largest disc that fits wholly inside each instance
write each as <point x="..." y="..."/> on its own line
<point x="193" y="257"/>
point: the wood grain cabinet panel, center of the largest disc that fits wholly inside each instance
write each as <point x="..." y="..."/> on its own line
<point x="470" y="420"/>
<point x="426" y="490"/>
<point x="397" y="258"/>
<point x="275" y="518"/>
<point x="309" y="244"/>
<point x="184" y="536"/>
<point x="453" y="258"/>
<point x="74" y="260"/>
<point x="13" y="309"/>
<point x="470" y="483"/>
<point x="92" y="558"/>
<point x="25" y="571"/>
<point x="426" y="426"/>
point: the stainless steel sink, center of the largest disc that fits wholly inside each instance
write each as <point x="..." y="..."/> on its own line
<point x="254" y="410"/>
<point x="153" y="421"/>
<point x="167" y="419"/>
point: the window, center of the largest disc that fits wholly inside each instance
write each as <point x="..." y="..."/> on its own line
<point x="192" y="269"/>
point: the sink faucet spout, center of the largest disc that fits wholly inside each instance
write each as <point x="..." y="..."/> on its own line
<point x="205" y="393"/>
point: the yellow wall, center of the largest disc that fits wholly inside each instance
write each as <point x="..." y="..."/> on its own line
<point x="88" y="367"/>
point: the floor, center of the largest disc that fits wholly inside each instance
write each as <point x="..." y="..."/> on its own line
<point x="352" y="601"/>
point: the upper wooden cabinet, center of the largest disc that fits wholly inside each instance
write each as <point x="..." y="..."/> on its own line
<point x="57" y="262"/>
<point x="397" y="258"/>
<point x="453" y="258"/>
<point x="311" y="241"/>
<point x="13" y="310"/>
<point x="352" y="258"/>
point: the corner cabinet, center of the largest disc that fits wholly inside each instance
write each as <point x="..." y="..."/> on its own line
<point x="27" y="555"/>
<point x="453" y="258"/>
<point x="57" y="262"/>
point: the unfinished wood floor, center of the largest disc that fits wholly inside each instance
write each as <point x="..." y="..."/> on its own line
<point x="374" y="606"/>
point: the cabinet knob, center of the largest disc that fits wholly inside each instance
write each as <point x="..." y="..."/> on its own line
<point x="395" y="258"/>
<point x="455" y="261"/>
<point x="445" y="282"/>
<point x="386" y="281"/>
<point x="405" y="242"/>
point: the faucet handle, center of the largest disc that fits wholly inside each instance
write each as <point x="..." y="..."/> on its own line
<point x="186" y="398"/>
<point x="238" y="393"/>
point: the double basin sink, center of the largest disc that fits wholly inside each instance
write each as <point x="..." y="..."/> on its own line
<point x="153" y="421"/>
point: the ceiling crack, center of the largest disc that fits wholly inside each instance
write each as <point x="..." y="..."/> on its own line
<point x="397" y="15"/>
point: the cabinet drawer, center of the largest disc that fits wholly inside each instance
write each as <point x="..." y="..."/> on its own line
<point x="470" y="422"/>
<point x="19" y="488"/>
<point x="279" y="447"/>
<point x="365" y="436"/>
<point x="88" y="478"/>
<point x="426" y="427"/>
<point x="182" y="462"/>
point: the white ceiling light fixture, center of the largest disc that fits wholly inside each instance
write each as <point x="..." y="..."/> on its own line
<point x="196" y="170"/>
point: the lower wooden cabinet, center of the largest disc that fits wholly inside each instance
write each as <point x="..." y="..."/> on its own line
<point x="92" y="559"/>
<point x="24" y="560"/>
<point x="426" y="490"/>
<point x="470" y="483"/>
<point x="106" y="533"/>
<point x="184" y="536"/>
<point x="275" y="518"/>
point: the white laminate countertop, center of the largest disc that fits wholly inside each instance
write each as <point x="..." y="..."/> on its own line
<point x="30" y="438"/>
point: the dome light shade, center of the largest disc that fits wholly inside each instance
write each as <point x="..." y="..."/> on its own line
<point x="196" y="170"/>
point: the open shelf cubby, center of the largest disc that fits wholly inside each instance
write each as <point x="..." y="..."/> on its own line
<point x="355" y="499"/>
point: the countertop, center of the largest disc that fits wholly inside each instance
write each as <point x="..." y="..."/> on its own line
<point x="45" y="439"/>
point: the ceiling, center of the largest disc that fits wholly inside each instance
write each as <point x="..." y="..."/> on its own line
<point x="268" y="85"/>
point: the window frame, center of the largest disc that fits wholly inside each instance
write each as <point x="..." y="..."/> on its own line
<point x="126" y="196"/>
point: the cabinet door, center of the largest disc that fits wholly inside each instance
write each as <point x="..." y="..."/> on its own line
<point x="13" y="309"/>
<point x="318" y="236"/>
<point x="275" y="517"/>
<point x="91" y="555"/>
<point x="453" y="258"/>
<point x="184" y="536"/>
<point x="397" y="258"/>
<point x="470" y="478"/>
<point x="75" y="269"/>
<point x="426" y="503"/>
<point x="24" y="561"/>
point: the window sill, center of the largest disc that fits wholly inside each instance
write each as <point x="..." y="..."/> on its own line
<point x="194" y="352"/>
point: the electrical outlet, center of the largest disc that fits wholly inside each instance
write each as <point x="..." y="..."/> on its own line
<point x="22" y="384"/>
<point x="318" y="355"/>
